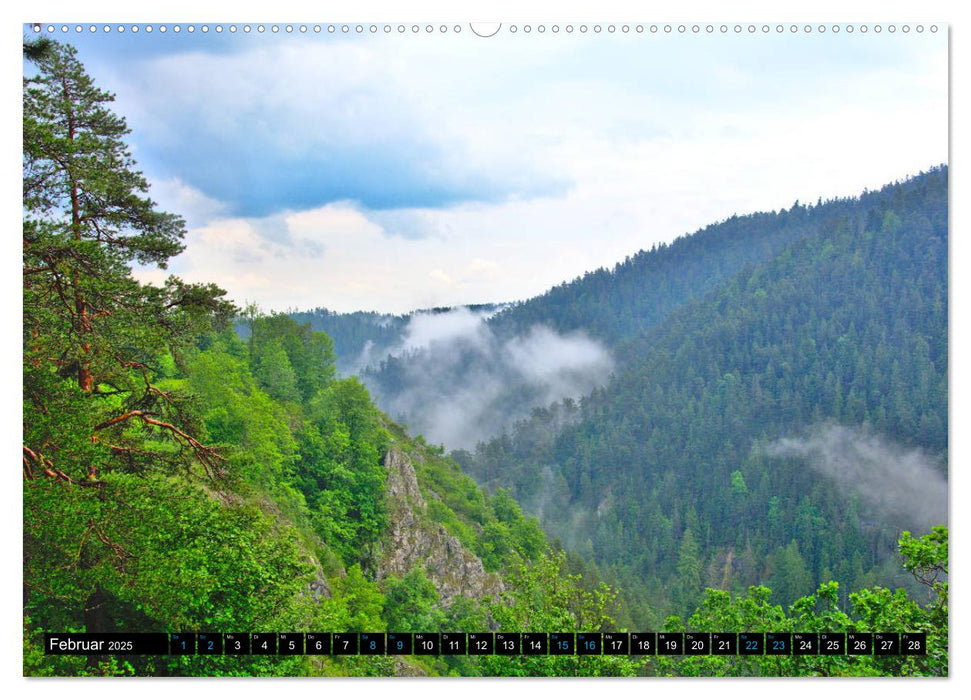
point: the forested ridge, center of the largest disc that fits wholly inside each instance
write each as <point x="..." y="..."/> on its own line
<point x="671" y="473"/>
<point x="614" y="308"/>
<point x="179" y="477"/>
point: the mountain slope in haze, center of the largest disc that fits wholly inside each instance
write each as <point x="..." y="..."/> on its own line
<point x="783" y="428"/>
<point x="363" y="338"/>
<point x="471" y="385"/>
<point x="617" y="304"/>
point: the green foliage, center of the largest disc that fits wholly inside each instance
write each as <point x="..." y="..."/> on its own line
<point x="739" y="487"/>
<point x="411" y="604"/>
<point x="245" y="422"/>
<point x="873" y="610"/>
<point x="688" y="586"/>
<point x="165" y="547"/>
<point x="85" y="319"/>
<point x="927" y="559"/>
<point x="544" y="597"/>
<point x="292" y="361"/>
<point x="157" y="554"/>
<point x="363" y="600"/>
<point x="341" y="472"/>
<point x="790" y="577"/>
<point x="276" y="374"/>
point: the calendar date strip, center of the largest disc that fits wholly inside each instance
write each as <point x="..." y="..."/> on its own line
<point x="488" y="643"/>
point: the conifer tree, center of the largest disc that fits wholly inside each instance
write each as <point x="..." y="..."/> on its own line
<point x="94" y="336"/>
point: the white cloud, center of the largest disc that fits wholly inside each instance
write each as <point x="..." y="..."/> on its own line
<point x="907" y="482"/>
<point x="427" y="328"/>
<point x="174" y="195"/>
<point x="542" y="354"/>
<point x="650" y="149"/>
<point x="462" y="383"/>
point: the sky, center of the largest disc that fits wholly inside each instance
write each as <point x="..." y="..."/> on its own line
<point x="395" y="171"/>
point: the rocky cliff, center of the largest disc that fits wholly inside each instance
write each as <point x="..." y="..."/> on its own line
<point x="415" y="540"/>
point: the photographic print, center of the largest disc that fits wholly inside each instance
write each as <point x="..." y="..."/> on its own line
<point x="516" y="349"/>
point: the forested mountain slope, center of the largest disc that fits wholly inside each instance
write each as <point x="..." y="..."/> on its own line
<point x="607" y="308"/>
<point x="759" y="433"/>
<point x="617" y="304"/>
<point x="178" y="478"/>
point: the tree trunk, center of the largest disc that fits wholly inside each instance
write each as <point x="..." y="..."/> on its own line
<point x="85" y="379"/>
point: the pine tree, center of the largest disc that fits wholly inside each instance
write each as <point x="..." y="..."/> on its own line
<point x="99" y="346"/>
<point x="95" y="339"/>
<point x="790" y="577"/>
<point x="687" y="588"/>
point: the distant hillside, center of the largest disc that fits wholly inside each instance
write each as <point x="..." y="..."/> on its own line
<point x="782" y="428"/>
<point x="616" y="304"/>
<point x="605" y="308"/>
<point x="363" y="338"/>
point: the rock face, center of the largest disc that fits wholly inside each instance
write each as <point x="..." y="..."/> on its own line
<point x="319" y="588"/>
<point x="453" y="569"/>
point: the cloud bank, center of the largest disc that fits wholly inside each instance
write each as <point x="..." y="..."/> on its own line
<point x="906" y="482"/>
<point x="453" y="380"/>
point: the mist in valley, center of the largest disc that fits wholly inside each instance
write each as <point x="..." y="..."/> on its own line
<point x="453" y="379"/>
<point x="904" y="482"/>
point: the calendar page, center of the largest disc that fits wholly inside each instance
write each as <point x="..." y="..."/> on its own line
<point x="437" y="348"/>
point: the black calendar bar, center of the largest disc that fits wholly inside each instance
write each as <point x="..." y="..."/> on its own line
<point x="317" y="643"/>
<point x="263" y="643"/>
<point x="670" y="643"/>
<point x="344" y="643"/>
<point x="507" y="643"/>
<point x="290" y="643"/>
<point x="481" y="643"/>
<point x="805" y="643"/>
<point x="751" y="643"/>
<point x="589" y="643"/>
<point x="399" y="643"/>
<point x="209" y="644"/>
<point x="454" y="643"/>
<point x="859" y="643"/>
<point x="778" y="644"/>
<point x="913" y="643"/>
<point x="697" y="643"/>
<point x="886" y="643"/>
<point x="235" y="644"/>
<point x="372" y="643"/>
<point x="643" y="643"/>
<point x="724" y="643"/>
<point x="489" y="643"/>
<point x="617" y="643"/>
<point x="182" y="644"/>
<point x="832" y="643"/>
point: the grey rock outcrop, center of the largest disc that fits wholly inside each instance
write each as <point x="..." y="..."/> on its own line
<point x="415" y="540"/>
